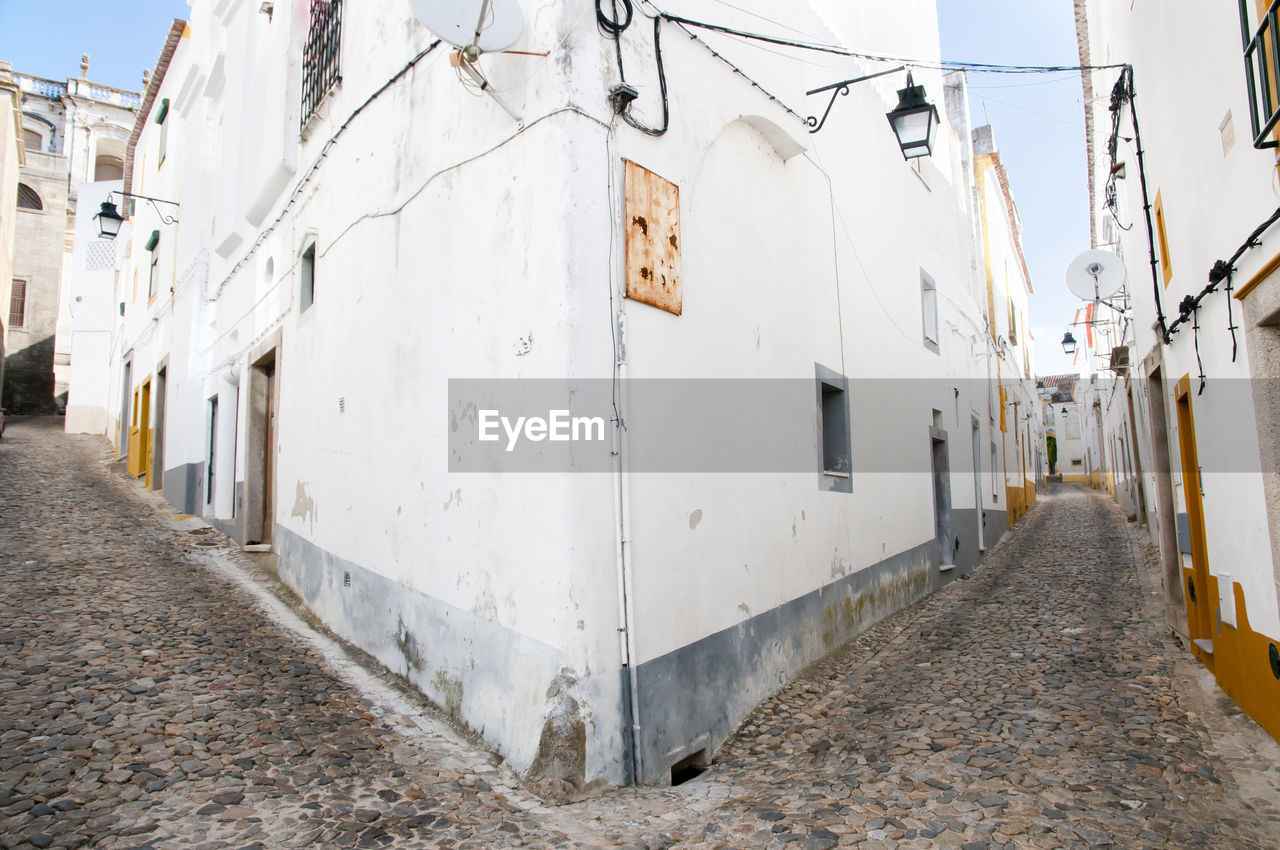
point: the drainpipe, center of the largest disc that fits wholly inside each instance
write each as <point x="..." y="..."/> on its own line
<point x="622" y="525"/>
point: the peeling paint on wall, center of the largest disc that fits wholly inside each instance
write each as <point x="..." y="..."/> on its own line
<point x="304" y="507"/>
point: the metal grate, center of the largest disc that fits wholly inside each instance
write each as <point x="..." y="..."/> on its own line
<point x="320" y="56"/>
<point x="1262" y="71"/>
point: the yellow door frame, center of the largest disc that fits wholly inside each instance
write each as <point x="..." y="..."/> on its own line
<point x="1199" y="603"/>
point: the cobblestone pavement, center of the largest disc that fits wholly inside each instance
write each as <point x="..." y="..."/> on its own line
<point x="158" y="690"/>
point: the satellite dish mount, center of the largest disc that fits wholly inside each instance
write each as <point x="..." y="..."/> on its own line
<point x="475" y="27"/>
<point x="1097" y="276"/>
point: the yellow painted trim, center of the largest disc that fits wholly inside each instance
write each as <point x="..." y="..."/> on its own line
<point x="1166" y="262"/>
<point x="1242" y="667"/>
<point x="1261" y="275"/>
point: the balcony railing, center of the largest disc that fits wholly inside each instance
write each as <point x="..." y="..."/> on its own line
<point x="320" y="70"/>
<point x="1262" y="71"/>
<point x="54" y="90"/>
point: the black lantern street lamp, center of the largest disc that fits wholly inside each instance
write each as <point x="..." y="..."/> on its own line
<point x="1068" y="343"/>
<point x="109" y="218"/>
<point x="915" y="121"/>
<point x="109" y="221"/>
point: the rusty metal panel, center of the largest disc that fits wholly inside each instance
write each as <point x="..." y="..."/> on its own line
<point x="652" y="212"/>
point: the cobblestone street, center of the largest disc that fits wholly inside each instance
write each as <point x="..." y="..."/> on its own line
<point x="159" y="690"/>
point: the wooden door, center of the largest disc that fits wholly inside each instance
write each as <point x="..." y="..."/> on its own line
<point x="269" y="460"/>
<point x="1196" y="580"/>
<point x="144" y="429"/>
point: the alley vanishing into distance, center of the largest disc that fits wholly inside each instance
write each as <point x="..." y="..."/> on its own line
<point x="156" y="690"/>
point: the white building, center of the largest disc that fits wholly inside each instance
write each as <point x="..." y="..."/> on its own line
<point x="1182" y="174"/>
<point x="367" y="259"/>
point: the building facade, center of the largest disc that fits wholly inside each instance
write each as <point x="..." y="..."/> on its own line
<point x="12" y="158"/>
<point x="1182" y="162"/>
<point x="73" y="131"/>
<point x="802" y="425"/>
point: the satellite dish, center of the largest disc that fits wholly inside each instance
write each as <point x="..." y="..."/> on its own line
<point x="490" y="25"/>
<point x="1095" y="275"/>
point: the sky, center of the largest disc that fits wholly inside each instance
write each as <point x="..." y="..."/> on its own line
<point x="46" y="38"/>
<point x="1038" y="120"/>
<point x="1039" y="131"/>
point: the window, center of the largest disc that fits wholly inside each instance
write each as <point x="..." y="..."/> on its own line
<point x="320" y="55"/>
<point x="162" y="118"/>
<point x="1077" y="462"/>
<point x="833" y="432"/>
<point x="18" y="304"/>
<point x="307" y="296"/>
<point x="28" y="199"/>
<point x="1013" y="324"/>
<point x="107" y="167"/>
<point x="152" y="245"/>
<point x="929" y="311"/>
<point x="1166" y="265"/>
<point x="32" y="140"/>
<point x="1259" y="45"/>
<point x="213" y="449"/>
<point x="1073" y="426"/>
<point x="995" y="481"/>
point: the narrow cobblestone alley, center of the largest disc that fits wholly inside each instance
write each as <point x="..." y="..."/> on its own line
<point x="149" y="700"/>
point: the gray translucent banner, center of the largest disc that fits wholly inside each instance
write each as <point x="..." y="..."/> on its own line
<point x="844" y="427"/>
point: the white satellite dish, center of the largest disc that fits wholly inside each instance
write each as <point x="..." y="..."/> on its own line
<point x="491" y="25"/>
<point x="1095" y="275"/>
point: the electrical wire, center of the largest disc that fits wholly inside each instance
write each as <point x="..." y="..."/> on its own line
<point x="614" y="28"/>
<point x="941" y="65"/>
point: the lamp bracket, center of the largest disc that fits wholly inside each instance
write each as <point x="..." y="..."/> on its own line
<point x="167" y="219"/>
<point x="842" y="88"/>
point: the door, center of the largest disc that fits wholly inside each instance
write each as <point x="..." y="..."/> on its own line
<point x="1195" y="579"/>
<point x="942" y="496"/>
<point x="144" y="430"/>
<point x="134" y="464"/>
<point x="269" y="461"/>
<point x="157" y="470"/>
<point x="977" y="480"/>
<point x="125" y="422"/>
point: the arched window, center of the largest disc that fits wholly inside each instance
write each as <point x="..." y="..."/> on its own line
<point x="28" y="199"/>
<point x="107" y="167"/>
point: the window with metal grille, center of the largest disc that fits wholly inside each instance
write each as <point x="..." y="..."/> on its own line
<point x="320" y="56"/>
<point x="18" y="304"/>
<point x="28" y="199"/>
<point x="1262" y="69"/>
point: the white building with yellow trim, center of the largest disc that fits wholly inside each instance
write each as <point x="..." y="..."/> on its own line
<point x="1182" y="151"/>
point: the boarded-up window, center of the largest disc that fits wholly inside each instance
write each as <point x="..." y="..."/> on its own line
<point x="652" y="213"/>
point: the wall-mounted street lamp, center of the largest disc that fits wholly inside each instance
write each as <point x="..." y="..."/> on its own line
<point x="1068" y="343"/>
<point x="914" y="121"/>
<point x="109" y="218"/>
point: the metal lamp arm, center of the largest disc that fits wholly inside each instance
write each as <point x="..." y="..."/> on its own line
<point x="167" y="219"/>
<point x="839" y="89"/>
